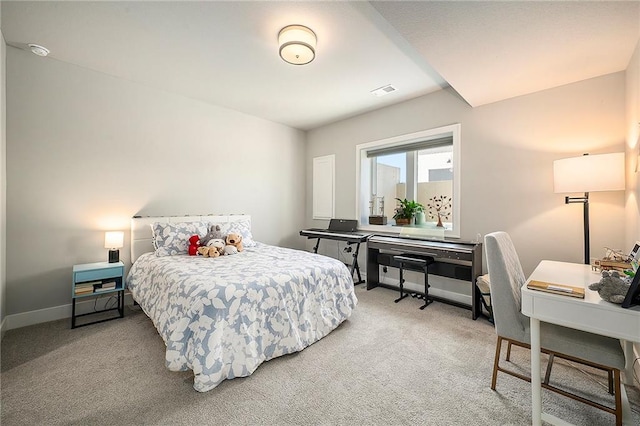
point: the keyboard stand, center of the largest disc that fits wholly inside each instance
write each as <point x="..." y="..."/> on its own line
<point x="350" y="239"/>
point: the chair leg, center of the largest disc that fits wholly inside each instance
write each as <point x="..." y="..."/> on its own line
<point x="508" y="358"/>
<point x="614" y="374"/>
<point x="496" y="363"/>
<point x="547" y="374"/>
<point x="610" y="374"/>
<point x="618" y="396"/>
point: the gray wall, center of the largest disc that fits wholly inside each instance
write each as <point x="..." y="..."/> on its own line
<point x="507" y="154"/>
<point x="86" y="151"/>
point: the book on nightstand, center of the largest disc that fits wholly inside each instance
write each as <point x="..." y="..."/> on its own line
<point x="562" y="289"/>
<point x="106" y="286"/>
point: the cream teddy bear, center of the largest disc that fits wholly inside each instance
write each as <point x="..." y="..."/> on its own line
<point x="207" y="251"/>
<point x="233" y="244"/>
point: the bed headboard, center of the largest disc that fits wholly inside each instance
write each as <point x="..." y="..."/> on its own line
<point x="141" y="237"/>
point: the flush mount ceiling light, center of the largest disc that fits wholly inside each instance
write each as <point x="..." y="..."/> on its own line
<point x="38" y="50"/>
<point x="297" y="44"/>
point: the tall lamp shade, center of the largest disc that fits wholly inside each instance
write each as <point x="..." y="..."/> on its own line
<point x="588" y="173"/>
<point x="114" y="240"/>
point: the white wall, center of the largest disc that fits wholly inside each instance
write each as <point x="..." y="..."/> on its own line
<point x="3" y="184"/>
<point x="507" y="154"/>
<point x="632" y="149"/>
<point x="86" y="151"/>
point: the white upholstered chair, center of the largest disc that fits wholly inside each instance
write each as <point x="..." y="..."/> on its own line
<point x="512" y="326"/>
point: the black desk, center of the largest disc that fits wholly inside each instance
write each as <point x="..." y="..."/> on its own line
<point x="350" y="237"/>
<point x="454" y="259"/>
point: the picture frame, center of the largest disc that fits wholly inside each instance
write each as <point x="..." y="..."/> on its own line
<point x="635" y="251"/>
<point x="633" y="294"/>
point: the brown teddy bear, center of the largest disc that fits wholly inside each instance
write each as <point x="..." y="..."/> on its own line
<point x="233" y="244"/>
<point x="208" y="251"/>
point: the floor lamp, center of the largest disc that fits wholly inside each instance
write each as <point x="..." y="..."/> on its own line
<point x="588" y="173"/>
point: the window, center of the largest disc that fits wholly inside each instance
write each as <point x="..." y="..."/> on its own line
<point x="422" y="166"/>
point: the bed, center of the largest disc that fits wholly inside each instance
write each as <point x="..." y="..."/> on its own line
<point x="222" y="317"/>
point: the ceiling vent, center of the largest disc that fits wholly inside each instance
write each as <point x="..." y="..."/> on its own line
<point x="384" y="90"/>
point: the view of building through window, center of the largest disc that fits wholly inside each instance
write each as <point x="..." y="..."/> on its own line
<point x="422" y="167"/>
<point x="433" y="178"/>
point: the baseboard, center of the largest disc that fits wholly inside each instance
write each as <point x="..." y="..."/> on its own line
<point x="3" y="327"/>
<point x="55" y="313"/>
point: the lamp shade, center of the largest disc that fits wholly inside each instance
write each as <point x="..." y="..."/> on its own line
<point x="589" y="173"/>
<point x="297" y="44"/>
<point x="113" y="239"/>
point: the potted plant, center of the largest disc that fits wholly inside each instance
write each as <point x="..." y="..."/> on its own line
<point x="406" y="211"/>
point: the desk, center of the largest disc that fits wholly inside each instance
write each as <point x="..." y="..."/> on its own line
<point x="454" y="259"/>
<point x="591" y="314"/>
<point x="349" y="237"/>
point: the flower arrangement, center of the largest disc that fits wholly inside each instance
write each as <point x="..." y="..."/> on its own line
<point x="440" y="208"/>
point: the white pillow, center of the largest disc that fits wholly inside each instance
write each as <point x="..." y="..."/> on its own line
<point x="242" y="227"/>
<point x="170" y="239"/>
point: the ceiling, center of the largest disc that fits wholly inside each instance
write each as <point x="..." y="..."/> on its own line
<point x="226" y="53"/>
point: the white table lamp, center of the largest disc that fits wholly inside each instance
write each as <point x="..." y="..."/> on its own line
<point x="113" y="240"/>
<point x="588" y="173"/>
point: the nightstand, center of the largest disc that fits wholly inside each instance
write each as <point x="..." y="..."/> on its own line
<point x="97" y="279"/>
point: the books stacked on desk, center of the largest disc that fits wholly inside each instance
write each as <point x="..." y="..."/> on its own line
<point x="562" y="289"/>
<point x="106" y="287"/>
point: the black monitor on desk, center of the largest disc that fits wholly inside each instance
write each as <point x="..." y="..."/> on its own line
<point x="633" y="295"/>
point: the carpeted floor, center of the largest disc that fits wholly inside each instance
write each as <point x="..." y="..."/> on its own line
<point x="388" y="364"/>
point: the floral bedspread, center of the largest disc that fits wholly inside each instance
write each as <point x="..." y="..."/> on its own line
<point x="222" y="317"/>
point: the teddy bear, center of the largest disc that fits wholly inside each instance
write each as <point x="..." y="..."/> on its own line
<point x="611" y="287"/>
<point x="207" y="251"/>
<point x="194" y="243"/>
<point x="233" y="241"/>
<point x="214" y="234"/>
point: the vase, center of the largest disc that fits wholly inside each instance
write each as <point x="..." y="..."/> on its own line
<point x="420" y="218"/>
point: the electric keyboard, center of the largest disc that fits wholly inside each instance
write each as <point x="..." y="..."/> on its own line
<point x="437" y="249"/>
<point x="354" y="237"/>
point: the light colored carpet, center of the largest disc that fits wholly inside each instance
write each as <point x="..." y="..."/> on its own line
<point x="388" y="364"/>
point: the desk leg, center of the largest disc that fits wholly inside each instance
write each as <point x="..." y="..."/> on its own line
<point x="536" y="386"/>
<point x="373" y="273"/>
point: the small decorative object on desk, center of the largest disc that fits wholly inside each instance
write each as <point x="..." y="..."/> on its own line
<point x="376" y="211"/>
<point x="406" y="211"/>
<point x="440" y="208"/>
<point x="613" y="260"/>
<point x="612" y="287"/>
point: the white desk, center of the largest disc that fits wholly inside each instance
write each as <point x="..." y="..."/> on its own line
<point x="590" y="314"/>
